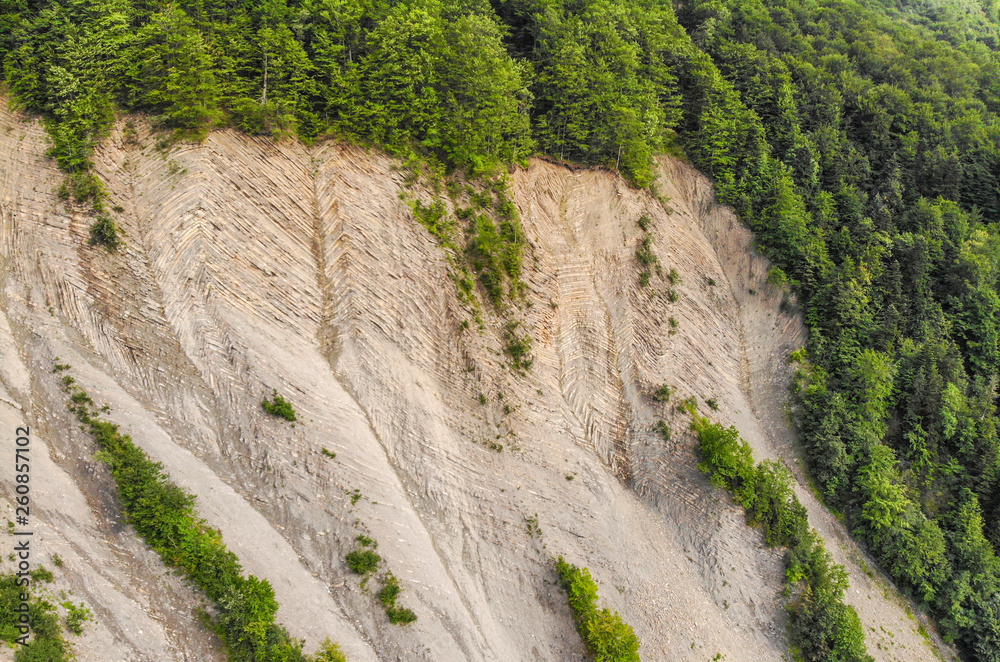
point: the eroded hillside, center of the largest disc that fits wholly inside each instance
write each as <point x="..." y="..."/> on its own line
<point x="251" y="265"/>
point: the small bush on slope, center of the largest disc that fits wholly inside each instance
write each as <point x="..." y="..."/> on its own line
<point x="607" y="636"/>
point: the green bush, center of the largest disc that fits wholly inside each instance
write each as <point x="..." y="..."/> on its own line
<point x="604" y="632"/>
<point x="388" y="595"/>
<point x="822" y="627"/>
<point x="48" y="643"/>
<point x="363" y="561"/>
<point x="279" y="407"/>
<point x="329" y="652"/>
<point x="518" y="348"/>
<point x="644" y="254"/>
<point x="164" y="516"/>
<point x="400" y="615"/>
<point x="104" y="232"/>
<point x="662" y="393"/>
<point x="76" y="616"/>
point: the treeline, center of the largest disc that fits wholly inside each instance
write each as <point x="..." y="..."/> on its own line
<point x="822" y="626"/>
<point x="860" y="142"/>
<point x="428" y="75"/>
<point x="164" y="516"/>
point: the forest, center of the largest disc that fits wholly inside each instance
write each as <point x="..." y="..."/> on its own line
<point x="860" y="142"/>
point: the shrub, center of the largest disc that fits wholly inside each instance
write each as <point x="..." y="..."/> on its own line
<point x="726" y="458"/>
<point x="674" y="277"/>
<point x="363" y="561"/>
<point x="48" y="643"/>
<point x="279" y="407"/>
<point x="604" y="632"/>
<point x="390" y="591"/>
<point x="328" y="453"/>
<point x="329" y="652"/>
<point x="400" y="615"/>
<point x="822" y="628"/>
<point x="104" y="232"/>
<point x="663" y="429"/>
<point x="777" y="277"/>
<point x="164" y="516"/>
<point x="662" y="393"/>
<point x="76" y="616"/>
<point x="644" y="253"/>
<point x="387" y="596"/>
<point x="84" y="186"/>
<point x="518" y="348"/>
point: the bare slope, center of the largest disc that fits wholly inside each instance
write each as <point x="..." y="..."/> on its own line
<point x="251" y="265"/>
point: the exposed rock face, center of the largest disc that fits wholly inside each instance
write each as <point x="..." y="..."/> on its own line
<point x="250" y="265"/>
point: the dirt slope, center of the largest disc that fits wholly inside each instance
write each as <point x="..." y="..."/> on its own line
<point x="251" y="265"/>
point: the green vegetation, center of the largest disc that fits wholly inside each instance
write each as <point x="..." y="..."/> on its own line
<point x="607" y="636"/>
<point x="326" y="452"/>
<point x="164" y="516"/>
<point x="664" y="429"/>
<point x="822" y="626"/>
<point x="366" y="562"/>
<point x="363" y="561"/>
<point x="329" y="652"/>
<point x="518" y="348"/>
<point x="860" y="141"/>
<point x="104" y="232"/>
<point x="644" y="253"/>
<point x="663" y="393"/>
<point x="76" y="616"/>
<point x="387" y="596"/>
<point x="47" y="643"/>
<point x="279" y="407"/>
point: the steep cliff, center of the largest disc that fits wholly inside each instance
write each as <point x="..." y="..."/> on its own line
<point x="250" y="265"/>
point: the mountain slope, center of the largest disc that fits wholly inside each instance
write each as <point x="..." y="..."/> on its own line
<point x="251" y="265"/>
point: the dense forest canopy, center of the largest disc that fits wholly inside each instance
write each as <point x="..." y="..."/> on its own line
<point x="861" y="142"/>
